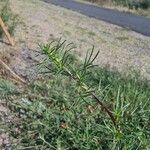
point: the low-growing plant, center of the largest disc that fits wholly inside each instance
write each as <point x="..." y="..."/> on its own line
<point x="58" y="112"/>
<point x="6" y="88"/>
<point x="63" y="64"/>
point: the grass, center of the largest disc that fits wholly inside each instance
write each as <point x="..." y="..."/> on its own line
<point x="11" y="20"/>
<point x="52" y="112"/>
<point x="6" y="88"/>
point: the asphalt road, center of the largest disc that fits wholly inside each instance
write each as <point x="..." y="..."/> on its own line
<point x="136" y="23"/>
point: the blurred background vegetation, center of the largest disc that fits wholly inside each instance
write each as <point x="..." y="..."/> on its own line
<point x="143" y="4"/>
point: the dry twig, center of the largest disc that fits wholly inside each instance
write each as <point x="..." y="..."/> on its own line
<point x="6" y="32"/>
<point x="12" y="72"/>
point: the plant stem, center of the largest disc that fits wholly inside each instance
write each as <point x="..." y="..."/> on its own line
<point x="104" y="107"/>
<point x="85" y="87"/>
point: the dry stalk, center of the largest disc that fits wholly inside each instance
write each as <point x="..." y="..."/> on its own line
<point x="12" y="72"/>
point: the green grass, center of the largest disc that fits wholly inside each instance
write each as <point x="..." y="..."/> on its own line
<point x="6" y="88"/>
<point x="52" y="113"/>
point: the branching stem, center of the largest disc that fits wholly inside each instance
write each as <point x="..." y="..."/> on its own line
<point x="52" y="54"/>
<point x="85" y="87"/>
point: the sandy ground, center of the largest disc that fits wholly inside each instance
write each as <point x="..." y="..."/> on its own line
<point x="119" y="48"/>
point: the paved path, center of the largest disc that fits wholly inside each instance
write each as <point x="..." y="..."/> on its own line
<point x="127" y="20"/>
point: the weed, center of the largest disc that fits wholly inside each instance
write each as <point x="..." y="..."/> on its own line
<point x="6" y="88"/>
<point x="59" y="113"/>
